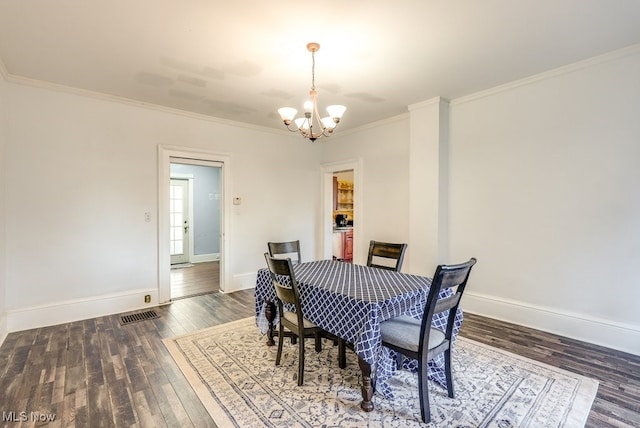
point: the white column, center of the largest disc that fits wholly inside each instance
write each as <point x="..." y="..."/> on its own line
<point x="428" y="185"/>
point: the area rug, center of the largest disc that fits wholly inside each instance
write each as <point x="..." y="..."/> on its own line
<point x="233" y="373"/>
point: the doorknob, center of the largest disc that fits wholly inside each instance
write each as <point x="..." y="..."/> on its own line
<point x="186" y="227"/>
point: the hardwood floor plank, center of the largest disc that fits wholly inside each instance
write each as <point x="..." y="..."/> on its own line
<point x="99" y="405"/>
<point x="12" y="383"/>
<point x="80" y="411"/>
<point x="149" y="413"/>
<point x="197" y="413"/>
<point x="122" y="409"/>
<point x="67" y="411"/>
<point x="57" y="395"/>
<point x="199" y="278"/>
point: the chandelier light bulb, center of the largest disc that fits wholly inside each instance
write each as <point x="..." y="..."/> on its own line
<point x="308" y="106"/>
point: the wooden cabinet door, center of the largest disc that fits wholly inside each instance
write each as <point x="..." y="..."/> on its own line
<point x="348" y="245"/>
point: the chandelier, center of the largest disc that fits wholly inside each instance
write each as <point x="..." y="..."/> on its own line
<point x="311" y="125"/>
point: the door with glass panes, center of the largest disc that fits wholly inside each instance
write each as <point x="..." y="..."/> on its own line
<point x="179" y="220"/>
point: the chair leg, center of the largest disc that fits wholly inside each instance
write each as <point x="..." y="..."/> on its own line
<point x="318" y="340"/>
<point x="399" y="359"/>
<point x="447" y="372"/>
<point x="300" y="359"/>
<point x="423" y="388"/>
<point x="280" y="343"/>
<point x="342" y="354"/>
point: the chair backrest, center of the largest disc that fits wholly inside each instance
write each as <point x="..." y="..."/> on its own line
<point x="446" y="276"/>
<point x="386" y="250"/>
<point x="281" y="271"/>
<point x="285" y="249"/>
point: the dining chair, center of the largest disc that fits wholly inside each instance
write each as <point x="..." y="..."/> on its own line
<point x="386" y="250"/>
<point x="282" y="249"/>
<point x="294" y="321"/>
<point x="419" y="340"/>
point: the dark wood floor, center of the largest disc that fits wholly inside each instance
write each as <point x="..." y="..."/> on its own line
<point x="99" y="373"/>
<point x="198" y="278"/>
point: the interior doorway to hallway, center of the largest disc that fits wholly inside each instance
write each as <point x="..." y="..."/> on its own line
<point x="206" y="226"/>
<point x="194" y="227"/>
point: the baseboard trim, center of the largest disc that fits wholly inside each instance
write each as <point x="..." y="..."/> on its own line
<point x="243" y="281"/>
<point x="3" y="327"/>
<point x="620" y="336"/>
<point x="79" y="309"/>
<point x="200" y="258"/>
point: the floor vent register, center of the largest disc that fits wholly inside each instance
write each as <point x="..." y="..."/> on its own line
<point x="141" y="316"/>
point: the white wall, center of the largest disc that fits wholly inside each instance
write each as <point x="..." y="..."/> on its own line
<point x="4" y="125"/>
<point x="542" y="189"/>
<point x="384" y="150"/>
<point x="544" y="192"/>
<point x="83" y="171"/>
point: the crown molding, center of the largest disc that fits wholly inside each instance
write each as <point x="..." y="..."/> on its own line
<point x="560" y="71"/>
<point x="368" y="126"/>
<point x="433" y="101"/>
<point x="41" y="84"/>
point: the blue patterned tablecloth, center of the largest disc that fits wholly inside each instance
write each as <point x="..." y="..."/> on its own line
<point x="351" y="301"/>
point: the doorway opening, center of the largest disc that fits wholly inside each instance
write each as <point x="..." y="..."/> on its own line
<point x="343" y="218"/>
<point x="192" y="225"/>
<point x="342" y="213"/>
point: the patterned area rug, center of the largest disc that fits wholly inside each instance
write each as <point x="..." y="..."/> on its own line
<point x="234" y="374"/>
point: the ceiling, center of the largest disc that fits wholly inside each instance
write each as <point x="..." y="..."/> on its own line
<point x="241" y="60"/>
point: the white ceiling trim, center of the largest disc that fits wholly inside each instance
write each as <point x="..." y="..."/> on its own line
<point x="576" y="66"/>
<point x="25" y="81"/>
<point x="377" y="123"/>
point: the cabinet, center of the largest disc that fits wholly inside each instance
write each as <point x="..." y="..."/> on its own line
<point x="348" y="245"/>
<point x="343" y="245"/>
<point x="343" y="197"/>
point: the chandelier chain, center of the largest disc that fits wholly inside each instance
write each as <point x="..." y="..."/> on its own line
<point x="313" y="70"/>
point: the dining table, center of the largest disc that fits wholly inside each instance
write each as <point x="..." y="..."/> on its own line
<point x="350" y="301"/>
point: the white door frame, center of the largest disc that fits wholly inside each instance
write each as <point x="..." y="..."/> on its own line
<point x="165" y="154"/>
<point x="328" y="169"/>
